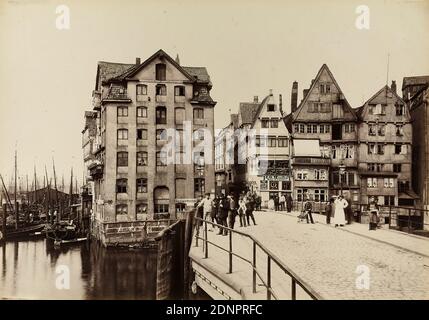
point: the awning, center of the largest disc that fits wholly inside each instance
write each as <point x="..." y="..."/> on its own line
<point x="306" y="148"/>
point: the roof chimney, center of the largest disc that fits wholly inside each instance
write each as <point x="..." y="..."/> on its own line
<point x="138" y="61"/>
<point x="177" y="59"/>
<point x="255" y="99"/>
<point x="393" y="86"/>
<point x="280" y="103"/>
<point x="294" y="97"/>
<point x="271" y="92"/>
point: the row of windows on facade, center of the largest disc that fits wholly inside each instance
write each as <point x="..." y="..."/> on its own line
<point x="378" y="148"/>
<point x="264" y="141"/>
<point x="141" y="185"/>
<point x="161" y="113"/>
<point x="161" y="158"/>
<point x="160" y="209"/>
<point x="374" y="182"/>
<point x="160" y="90"/>
<point x="379" y="167"/>
<point x="317" y="195"/>
<point x="380" y="109"/>
<point x="161" y="134"/>
<point x="317" y="174"/>
<point x="380" y="129"/>
<point x="320" y="128"/>
<point x="274" y="185"/>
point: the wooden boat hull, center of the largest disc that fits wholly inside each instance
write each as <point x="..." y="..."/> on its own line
<point x="24" y="233"/>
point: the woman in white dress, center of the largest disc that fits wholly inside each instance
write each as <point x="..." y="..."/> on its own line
<point x="339" y="216"/>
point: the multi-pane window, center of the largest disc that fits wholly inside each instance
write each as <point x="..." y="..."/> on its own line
<point x="401" y="148"/>
<point x="122" y="134"/>
<point x="161" y="135"/>
<point x="324" y="88"/>
<point x="397" y="167"/>
<point x="141" y="134"/>
<point x="142" y="158"/>
<point x="199" y="185"/>
<point x="198" y="113"/>
<point x="301" y="128"/>
<point x="121" y="186"/>
<point x="141" y="185"/>
<point x="296" y="128"/>
<point x="349" y="127"/>
<point x="375" y="167"/>
<point x="265" y="123"/>
<point x="399" y="130"/>
<point x="161" y="115"/>
<point x="141" y="208"/>
<point x="161" y="90"/>
<point x="302" y="175"/>
<point x="282" y="142"/>
<point x="161" y="158"/>
<point x="381" y="129"/>
<point x="161" y="208"/>
<point x="375" y="148"/>
<point x="141" y="90"/>
<point x="274" y="123"/>
<point x="161" y="71"/>
<point x="372" y="129"/>
<point x="319" y="195"/>
<point x="261" y="141"/>
<point x="272" y="141"/>
<point x="389" y="200"/>
<point x="122" y="159"/>
<point x="315" y="128"/>
<point x="389" y="183"/>
<point x="121" y="209"/>
<point x="286" y="185"/>
<point x="141" y="112"/>
<point x="371" y="182"/>
<point x="122" y="111"/>
<point x="179" y="90"/>
<point x="309" y="128"/>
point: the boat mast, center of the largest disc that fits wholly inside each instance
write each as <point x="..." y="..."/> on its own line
<point x="48" y="191"/>
<point x="71" y="188"/>
<point x="35" y="185"/>
<point x="26" y="195"/>
<point x="56" y="192"/>
<point x="15" y="191"/>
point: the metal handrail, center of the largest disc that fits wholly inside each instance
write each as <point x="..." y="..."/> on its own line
<point x="271" y="257"/>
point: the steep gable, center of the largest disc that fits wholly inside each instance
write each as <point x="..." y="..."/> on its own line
<point x="263" y="112"/>
<point x="386" y="100"/>
<point x="319" y="106"/>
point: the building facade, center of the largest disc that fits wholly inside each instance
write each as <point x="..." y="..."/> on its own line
<point x="268" y="169"/>
<point x="325" y="114"/>
<point x="385" y="139"/>
<point x="137" y="104"/>
<point x="415" y="91"/>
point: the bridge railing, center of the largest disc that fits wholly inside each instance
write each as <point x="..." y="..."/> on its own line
<point x="257" y="271"/>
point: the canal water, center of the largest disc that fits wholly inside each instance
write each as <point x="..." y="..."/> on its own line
<point x="33" y="270"/>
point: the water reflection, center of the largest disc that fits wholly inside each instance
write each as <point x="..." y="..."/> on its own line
<point x="28" y="271"/>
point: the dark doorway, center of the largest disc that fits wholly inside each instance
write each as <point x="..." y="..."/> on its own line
<point x="337" y="131"/>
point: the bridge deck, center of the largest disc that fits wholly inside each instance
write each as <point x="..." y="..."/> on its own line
<point x="324" y="257"/>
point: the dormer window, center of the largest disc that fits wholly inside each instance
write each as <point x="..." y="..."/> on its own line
<point x="399" y="110"/>
<point x="271" y="107"/>
<point x="161" y="72"/>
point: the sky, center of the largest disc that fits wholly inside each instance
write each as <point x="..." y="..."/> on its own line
<point x="249" y="47"/>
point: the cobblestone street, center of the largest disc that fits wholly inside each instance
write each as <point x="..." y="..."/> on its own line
<point x="327" y="258"/>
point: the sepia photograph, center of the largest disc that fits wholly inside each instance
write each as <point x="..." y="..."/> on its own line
<point x="190" y="151"/>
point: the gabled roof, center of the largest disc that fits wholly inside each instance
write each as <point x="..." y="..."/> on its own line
<point x="417" y="80"/>
<point x="109" y="70"/>
<point x="313" y="84"/>
<point x="247" y="112"/>
<point x="199" y="73"/>
<point x="360" y="111"/>
<point x="259" y="109"/>
<point x="288" y="122"/>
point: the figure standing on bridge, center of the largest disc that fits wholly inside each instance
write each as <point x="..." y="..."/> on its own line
<point x="339" y="215"/>
<point x="232" y="210"/>
<point x="373" y="209"/>
<point x="207" y="204"/>
<point x="222" y="214"/>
